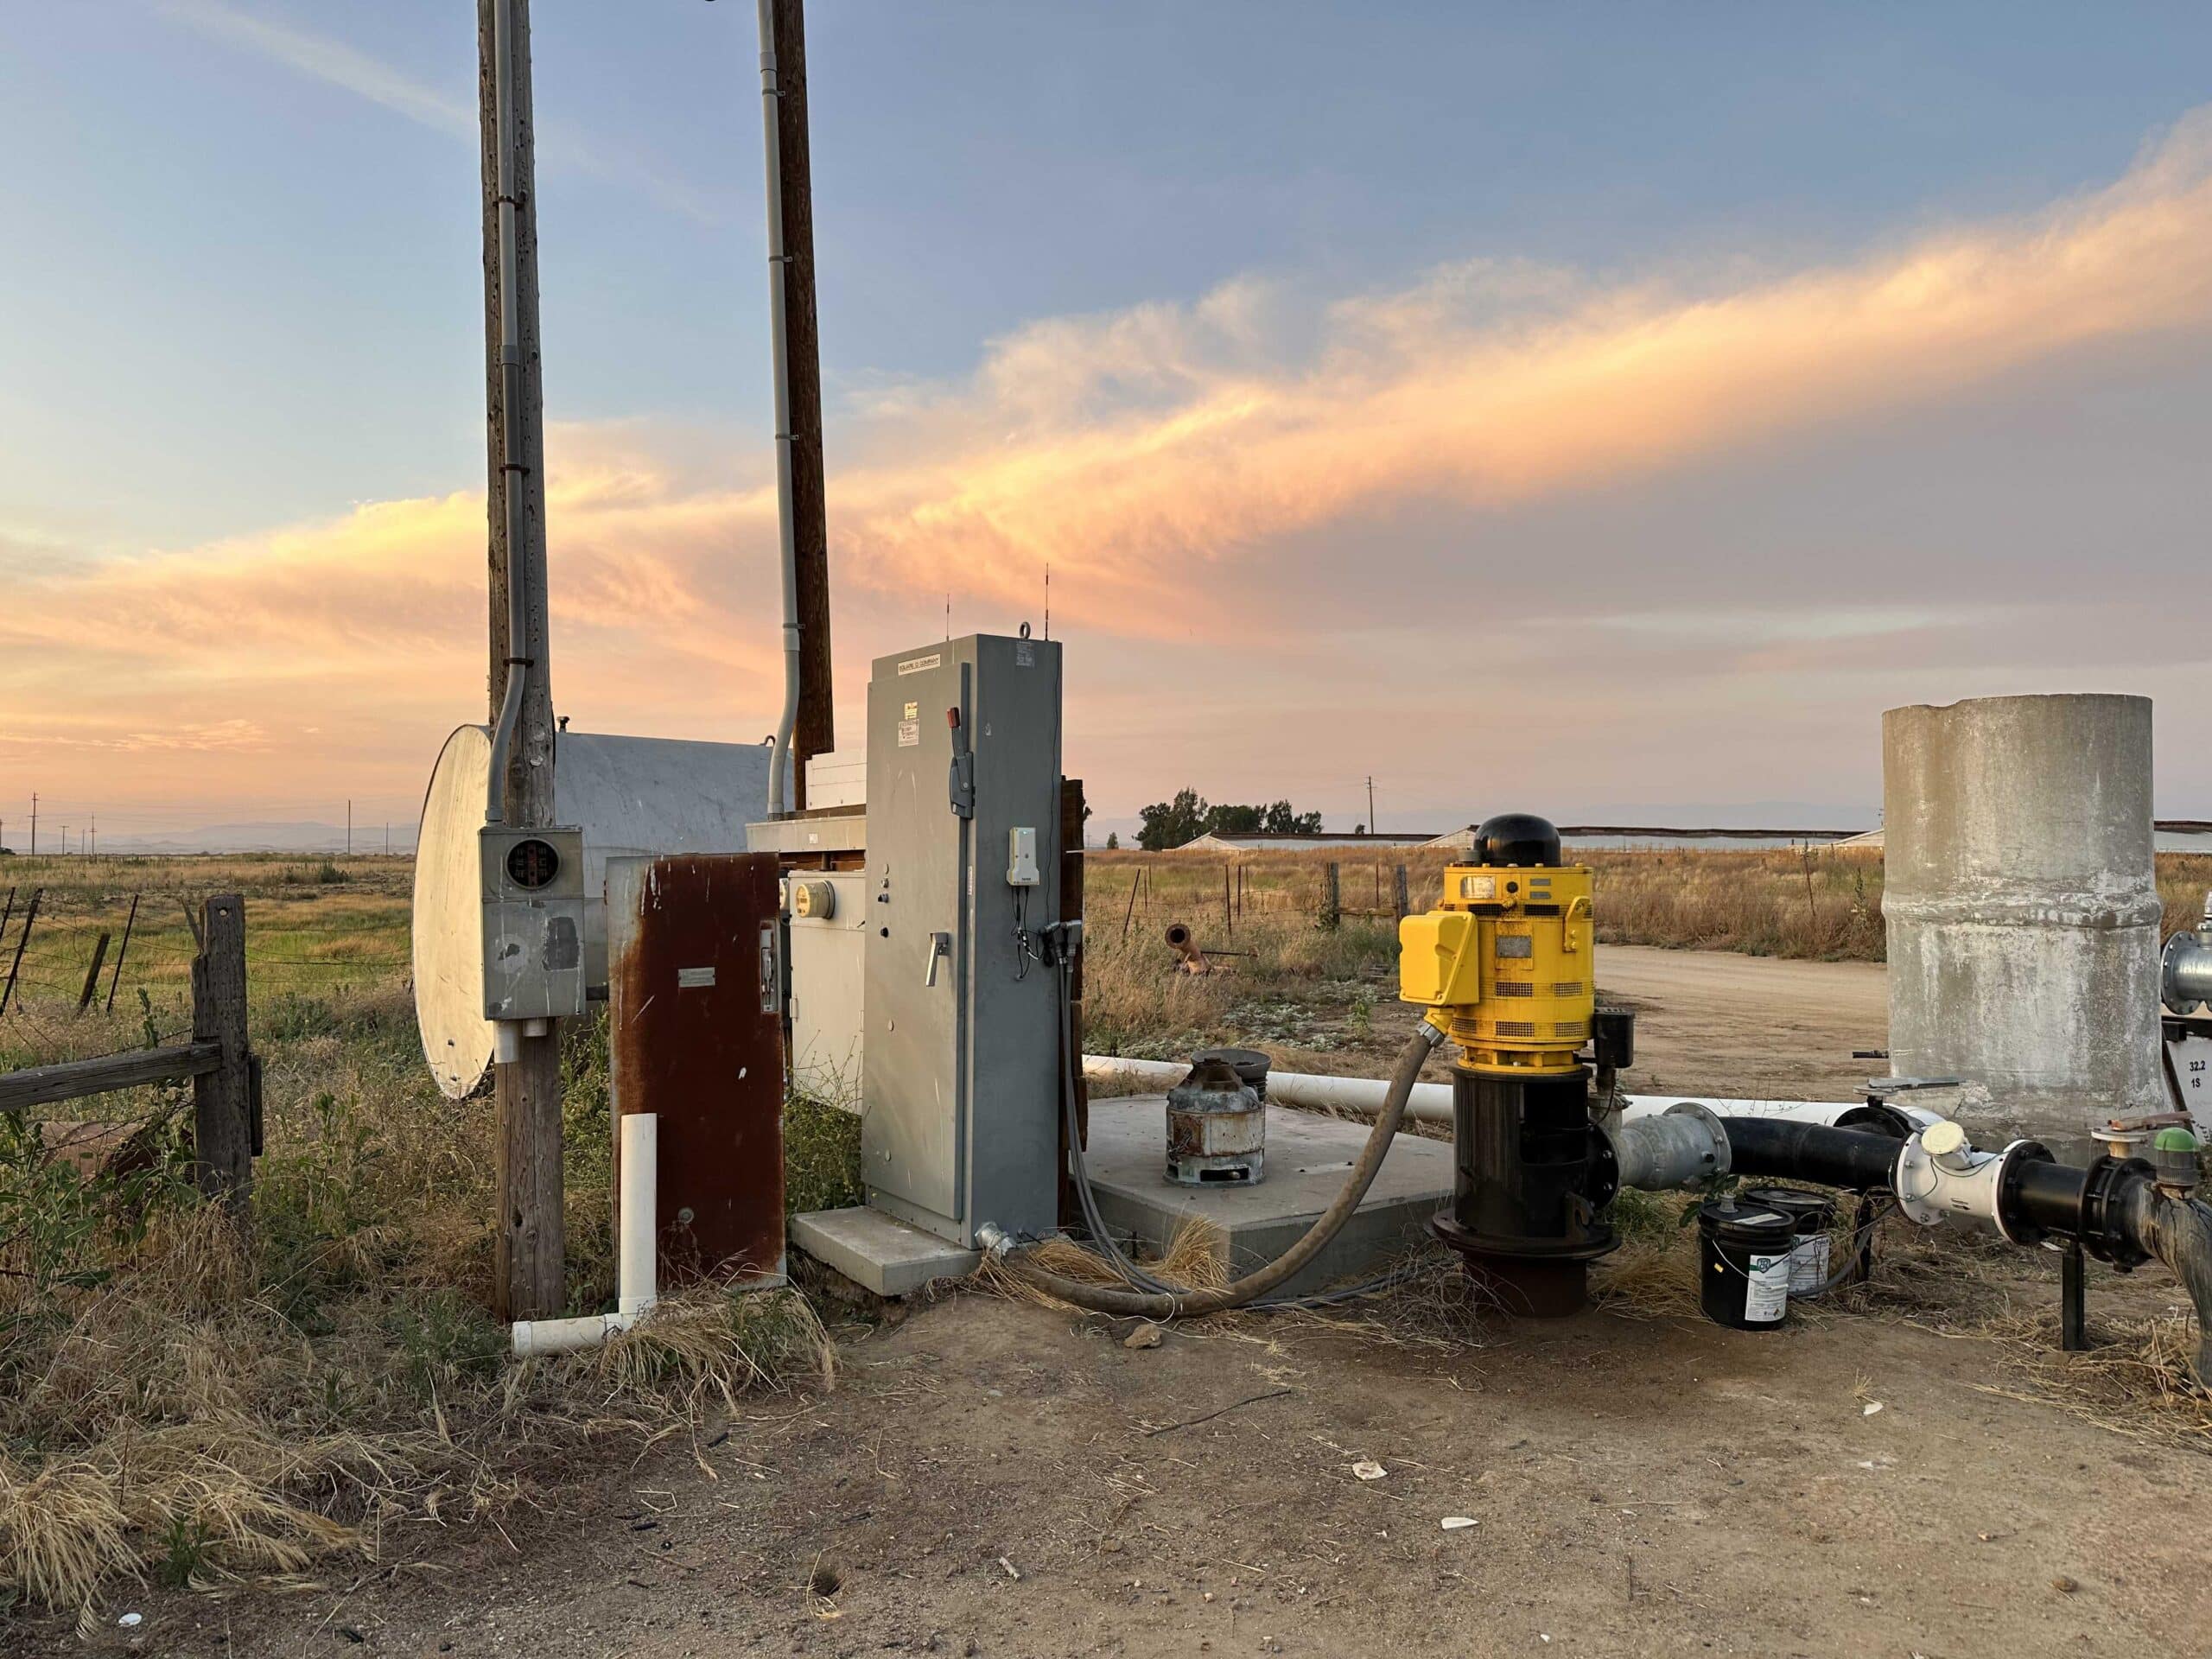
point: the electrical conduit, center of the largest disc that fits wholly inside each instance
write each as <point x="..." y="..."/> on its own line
<point x="636" y="1264"/>
<point x="779" y="369"/>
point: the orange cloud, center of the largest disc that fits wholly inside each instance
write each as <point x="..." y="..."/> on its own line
<point x="1161" y="459"/>
<point x="1140" y="449"/>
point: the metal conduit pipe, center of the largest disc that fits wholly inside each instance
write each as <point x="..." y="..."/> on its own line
<point x="519" y="571"/>
<point x="2115" y="1207"/>
<point x="779" y="373"/>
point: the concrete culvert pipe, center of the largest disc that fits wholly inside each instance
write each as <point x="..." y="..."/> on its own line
<point x="2022" y="907"/>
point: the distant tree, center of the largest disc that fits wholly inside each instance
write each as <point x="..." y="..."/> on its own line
<point x="1170" y="823"/>
<point x="1112" y="841"/>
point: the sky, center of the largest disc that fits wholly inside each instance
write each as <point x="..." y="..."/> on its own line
<point x="1599" y="412"/>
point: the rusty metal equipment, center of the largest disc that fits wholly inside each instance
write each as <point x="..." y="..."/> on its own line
<point x="1191" y="958"/>
<point x="695" y="1036"/>
<point x="1216" y="1126"/>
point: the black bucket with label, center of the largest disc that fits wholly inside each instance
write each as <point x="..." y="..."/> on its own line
<point x="1743" y="1260"/>
<point x="1812" y="1216"/>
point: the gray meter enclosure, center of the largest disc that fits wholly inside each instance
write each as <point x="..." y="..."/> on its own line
<point x="533" y="883"/>
<point x="960" y="1067"/>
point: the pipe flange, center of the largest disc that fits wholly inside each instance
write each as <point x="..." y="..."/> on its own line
<point x="2103" y="1230"/>
<point x="2016" y="1154"/>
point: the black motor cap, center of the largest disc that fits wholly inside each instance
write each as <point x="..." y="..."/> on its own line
<point x="1519" y="838"/>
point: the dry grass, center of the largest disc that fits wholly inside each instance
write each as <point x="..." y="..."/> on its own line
<point x="1823" y="903"/>
<point x="178" y="1405"/>
<point x="2139" y="1381"/>
<point x="190" y="1420"/>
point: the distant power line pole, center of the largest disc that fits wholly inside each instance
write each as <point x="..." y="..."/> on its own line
<point x="1370" y="803"/>
<point x="349" y="829"/>
<point x="33" y="823"/>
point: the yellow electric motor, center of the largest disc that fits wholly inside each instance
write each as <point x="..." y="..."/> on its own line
<point x="1506" y="958"/>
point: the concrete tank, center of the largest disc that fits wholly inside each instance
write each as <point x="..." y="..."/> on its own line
<point x="629" y="795"/>
<point x="2022" y="907"/>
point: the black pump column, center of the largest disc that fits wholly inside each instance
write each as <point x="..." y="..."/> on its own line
<point x="1507" y="960"/>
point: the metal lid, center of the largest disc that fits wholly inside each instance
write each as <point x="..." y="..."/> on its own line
<point x="1811" y="1211"/>
<point x="1250" y="1065"/>
<point x="1744" y="1224"/>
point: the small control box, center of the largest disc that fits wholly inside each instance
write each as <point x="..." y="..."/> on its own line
<point x="1021" y="858"/>
<point x="533" y="885"/>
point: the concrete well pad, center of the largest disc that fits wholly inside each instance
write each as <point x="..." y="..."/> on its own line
<point x="1308" y="1157"/>
<point x="881" y="1252"/>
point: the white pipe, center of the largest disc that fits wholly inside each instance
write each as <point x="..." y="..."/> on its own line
<point x="779" y="371"/>
<point x="635" y="1254"/>
<point x="1432" y="1101"/>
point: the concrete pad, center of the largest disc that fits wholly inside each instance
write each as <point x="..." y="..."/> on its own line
<point x="879" y="1251"/>
<point x="1308" y="1157"/>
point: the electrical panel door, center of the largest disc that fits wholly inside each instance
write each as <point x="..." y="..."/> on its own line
<point x="960" y="1064"/>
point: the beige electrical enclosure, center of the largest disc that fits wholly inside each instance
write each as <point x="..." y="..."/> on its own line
<point x="827" y="962"/>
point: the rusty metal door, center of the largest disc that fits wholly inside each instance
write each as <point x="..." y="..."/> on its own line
<point x="695" y="1034"/>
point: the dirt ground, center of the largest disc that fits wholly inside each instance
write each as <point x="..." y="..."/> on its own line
<point x="996" y="1477"/>
<point x="1710" y="1022"/>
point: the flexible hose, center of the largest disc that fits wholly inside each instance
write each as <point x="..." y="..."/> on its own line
<point x="1169" y="1305"/>
<point x="2179" y="1232"/>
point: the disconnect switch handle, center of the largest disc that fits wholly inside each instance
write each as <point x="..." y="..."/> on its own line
<point x="940" y="948"/>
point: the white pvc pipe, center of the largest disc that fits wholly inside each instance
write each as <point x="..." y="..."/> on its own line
<point x="635" y="1254"/>
<point x="1432" y="1101"/>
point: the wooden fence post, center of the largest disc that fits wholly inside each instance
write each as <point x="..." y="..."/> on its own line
<point x="92" y="973"/>
<point x="22" y="940"/>
<point x="120" y="951"/>
<point x="222" y="1098"/>
<point x="1398" y="902"/>
<point x="1333" y="909"/>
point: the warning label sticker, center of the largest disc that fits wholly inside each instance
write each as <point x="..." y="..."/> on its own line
<point x="1766" y="1297"/>
<point x="910" y="733"/>
<point x="918" y="664"/>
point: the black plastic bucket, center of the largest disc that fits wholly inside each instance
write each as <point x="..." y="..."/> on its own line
<point x="1742" y="1260"/>
<point x="1812" y="1216"/>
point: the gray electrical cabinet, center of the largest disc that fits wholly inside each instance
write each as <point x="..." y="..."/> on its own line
<point x="960" y="1067"/>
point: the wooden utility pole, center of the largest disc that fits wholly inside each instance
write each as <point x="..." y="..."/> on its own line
<point x="528" y="1240"/>
<point x="814" y="732"/>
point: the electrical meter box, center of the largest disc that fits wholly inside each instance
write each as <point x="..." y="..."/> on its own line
<point x="533" y="884"/>
<point x="960" y="1066"/>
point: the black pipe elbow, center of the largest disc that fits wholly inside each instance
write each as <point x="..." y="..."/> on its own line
<point x="1854" y="1159"/>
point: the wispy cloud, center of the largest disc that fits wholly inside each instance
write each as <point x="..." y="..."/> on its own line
<point x="322" y="57"/>
<point x="1247" y="456"/>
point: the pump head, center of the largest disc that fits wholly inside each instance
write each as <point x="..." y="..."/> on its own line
<point x="1504" y="958"/>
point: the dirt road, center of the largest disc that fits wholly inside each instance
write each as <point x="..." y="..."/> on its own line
<point x="1714" y="1023"/>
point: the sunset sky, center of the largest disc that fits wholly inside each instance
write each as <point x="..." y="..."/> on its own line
<point x="1594" y="410"/>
